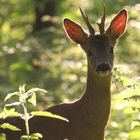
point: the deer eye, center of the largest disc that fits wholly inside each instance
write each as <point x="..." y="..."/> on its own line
<point x="89" y="53"/>
<point x="111" y="50"/>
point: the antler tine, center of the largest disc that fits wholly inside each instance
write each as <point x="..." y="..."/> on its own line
<point x="86" y="19"/>
<point x="101" y="25"/>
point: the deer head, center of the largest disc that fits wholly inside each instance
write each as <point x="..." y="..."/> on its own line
<point x="99" y="47"/>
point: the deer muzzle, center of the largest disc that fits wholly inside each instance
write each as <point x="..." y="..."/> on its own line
<point x="103" y="69"/>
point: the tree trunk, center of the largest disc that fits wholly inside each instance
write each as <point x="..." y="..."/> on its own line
<point x="45" y="10"/>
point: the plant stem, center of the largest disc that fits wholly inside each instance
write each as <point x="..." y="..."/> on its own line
<point x="26" y="119"/>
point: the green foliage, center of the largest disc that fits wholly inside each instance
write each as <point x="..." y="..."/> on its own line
<point x="9" y="126"/>
<point x="2" y="137"/>
<point x="125" y="106"/>
<point x="9" y="112"/>
<point x="35" y="136"/>
<point x="47" y="114"/>
<point x="23" y="98"/>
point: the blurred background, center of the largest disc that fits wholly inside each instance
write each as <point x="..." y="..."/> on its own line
<point x="35" y="51"/>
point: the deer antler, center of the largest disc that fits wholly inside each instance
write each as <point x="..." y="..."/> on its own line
<point x="86" y="19"/>
<point x="101" y="25"/>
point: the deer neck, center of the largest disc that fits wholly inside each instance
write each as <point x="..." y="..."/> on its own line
<point x="96" y="99"/>
<point x="97" y="86"/>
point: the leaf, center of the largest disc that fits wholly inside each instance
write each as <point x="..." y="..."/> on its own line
<point x="24" y="137"/>
<point x="32" y="90"/>
<point x="2" y="136"/>
<point x="13" y="104"/>
<point x="48" y="114"/>
<point x="32" y="99"/>
<point x="136" y="108"/>
<point x="134" y="134"/>
<point x="35" y="136"/>
<point x="135" y="123"/>
<point x="9" y="112"/>
<point x="22" y="89"/>
<point x="133" y="97"/>
<point x="9" y="95"/>
<point x="9" y="126"/>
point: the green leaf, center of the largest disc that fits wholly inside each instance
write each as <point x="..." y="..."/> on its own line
<point x="32" y="99"/>
<point x="9" y="126"/>
<point x="13" y="104"/>
<point x="9" y="95"/>
<point x="9" y="112"/>
<point x="136" y="108"/>
<point x="134" y="134"/>
<point x="25" y="137"/>
<point x="133" y="97"/>
<point x="35" y="136"/>
<point x="48" y="114"/>
<point x="135" y="123"/>
<point x="32" y="90"/>
<point x="2" y="136"/>
<point x="22" y="89"/>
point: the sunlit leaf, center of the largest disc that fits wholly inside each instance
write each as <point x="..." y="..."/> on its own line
<point x="134" y="97"/>
<point x="22" y="89"/>
<point x="136" y="108"/>
<point x="35" y="90"/>
<point x="130" y="94"/>
<point x="9" y="95"/>
<point x="9" y="126"/>
<point x="13" y="104"/>
<point x="32" y="99"/>
<point x="2" y="137"/>
<point x="9" y="112"/>
<point x="35" y="136"/>
<point x="135" y="123"/>
<point x="48" y="114"/>
<point x="38" y="135"/>
<point x="134" y="134"/>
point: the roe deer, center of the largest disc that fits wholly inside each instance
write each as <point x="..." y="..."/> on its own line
<point x="88" y="115"/>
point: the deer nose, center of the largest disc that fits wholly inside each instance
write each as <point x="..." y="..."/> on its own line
<point x="103" y="67"/>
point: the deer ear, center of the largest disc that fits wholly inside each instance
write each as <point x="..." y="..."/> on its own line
<point x="118" y="25"/>
<point x="74" y="31"/>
